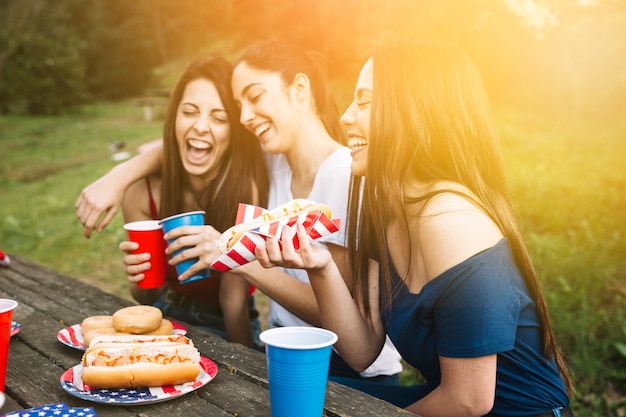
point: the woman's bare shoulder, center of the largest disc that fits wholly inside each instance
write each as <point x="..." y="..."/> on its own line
<point x="451" y="229"/>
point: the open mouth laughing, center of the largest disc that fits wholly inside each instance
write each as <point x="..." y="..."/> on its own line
<point x="198" y="150"/>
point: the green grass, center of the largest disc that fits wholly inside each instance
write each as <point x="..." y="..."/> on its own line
<point x="45" y="164"/>
<point x="567" y="178"/>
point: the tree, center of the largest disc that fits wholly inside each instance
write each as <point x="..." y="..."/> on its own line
<point x="43" y="72"/>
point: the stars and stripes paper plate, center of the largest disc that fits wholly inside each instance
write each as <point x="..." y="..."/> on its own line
<point x="15" y="328"/>
<point x="71" y="381"/>
<point x="72" y="336"/>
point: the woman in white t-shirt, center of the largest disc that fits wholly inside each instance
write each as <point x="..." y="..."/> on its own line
<point x="285" y="100"/>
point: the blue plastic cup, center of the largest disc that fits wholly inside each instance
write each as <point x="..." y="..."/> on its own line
<point x="298" y="359"/>
<point x="192" y="218"/>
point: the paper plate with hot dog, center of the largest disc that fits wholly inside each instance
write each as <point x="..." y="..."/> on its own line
<point x="136" y="369"/>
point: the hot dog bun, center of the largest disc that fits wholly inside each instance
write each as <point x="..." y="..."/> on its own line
<point x="92" y="334"/>
<point x="132" y="365"/>
<point x="297" y="206"/>
<point x="117" y="339"/>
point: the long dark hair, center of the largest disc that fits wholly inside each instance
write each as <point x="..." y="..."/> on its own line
<point x="242" y="172"/>
<point x="430" y="122"/>
<point x="288" y="59"/>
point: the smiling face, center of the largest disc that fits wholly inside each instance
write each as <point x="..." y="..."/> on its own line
<point x="266" y="107"/>
<point x="202" y="128"/>
<point x="356" y="118"/>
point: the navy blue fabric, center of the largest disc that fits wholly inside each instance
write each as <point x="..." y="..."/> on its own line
<point x="479" y="307"/>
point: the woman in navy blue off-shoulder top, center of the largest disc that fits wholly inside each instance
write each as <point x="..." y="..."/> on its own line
<point x="440" y="261"/>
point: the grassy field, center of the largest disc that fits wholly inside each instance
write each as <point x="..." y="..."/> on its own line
<point x="567" y="177"/>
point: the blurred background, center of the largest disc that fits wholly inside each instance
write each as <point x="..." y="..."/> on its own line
<point x="82" y="80"/>
<point x="554" y="56"/>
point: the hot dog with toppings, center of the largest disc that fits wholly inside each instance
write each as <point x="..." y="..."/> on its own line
<point x="131" y="364"/>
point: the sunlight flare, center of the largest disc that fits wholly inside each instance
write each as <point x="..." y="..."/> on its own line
<point x="535" y="14"/>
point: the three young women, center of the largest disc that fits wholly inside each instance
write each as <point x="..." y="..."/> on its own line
<point x="286" y="101"/>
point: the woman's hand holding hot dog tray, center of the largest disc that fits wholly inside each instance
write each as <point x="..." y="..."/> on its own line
<point x="283" y="253"/>
<point x="238" y="243"/>
<point x="236" y="246"/>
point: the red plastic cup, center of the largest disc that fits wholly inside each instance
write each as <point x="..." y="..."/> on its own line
<point x="149" y="235"/>
<point x="6" y="314"/>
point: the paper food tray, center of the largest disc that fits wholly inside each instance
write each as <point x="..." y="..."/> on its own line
<point x="316" y="224"/>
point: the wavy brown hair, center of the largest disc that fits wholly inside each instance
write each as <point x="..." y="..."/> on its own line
<point x="242" y="174"/>
<point x="430" y="122"/>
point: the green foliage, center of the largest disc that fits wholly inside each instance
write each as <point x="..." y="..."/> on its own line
<point x="567" y="183"/>
<point x="58" y="54"/>
<point x="43" y="72"/>
<point x="119" y="45"/>
<point x="572" y="64"/>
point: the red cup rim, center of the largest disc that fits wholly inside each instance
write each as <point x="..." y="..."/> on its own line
<point x="7" y="305"/>
<point x="143" y="225"/>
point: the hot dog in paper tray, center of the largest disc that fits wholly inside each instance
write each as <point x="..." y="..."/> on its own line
<point x="254" y="224"/>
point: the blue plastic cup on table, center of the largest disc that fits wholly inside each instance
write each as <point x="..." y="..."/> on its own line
<point x="192" y="218"/>
<point x="298" y="359"/>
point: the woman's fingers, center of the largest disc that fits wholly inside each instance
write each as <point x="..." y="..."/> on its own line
<point x="134" y="264"/>
<point x="96" y="207"/>
<point x="134" y="270"/>
<point x="186" y="236"/>
<point x="284" y="253"/>
<point x="128" y="246"/>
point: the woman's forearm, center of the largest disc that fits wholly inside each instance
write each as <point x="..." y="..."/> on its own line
<point x="140" y="166"/>
<point x="360" y="341"/>
<point x="296" y="296"/>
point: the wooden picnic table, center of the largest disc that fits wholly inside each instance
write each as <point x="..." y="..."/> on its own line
<point x="50" y="301"/>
